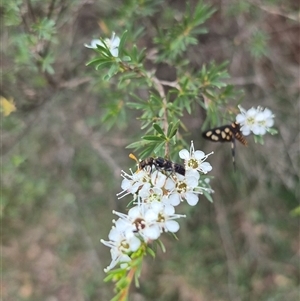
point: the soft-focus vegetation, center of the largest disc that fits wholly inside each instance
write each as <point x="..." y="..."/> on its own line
<point x="65" y="144"/>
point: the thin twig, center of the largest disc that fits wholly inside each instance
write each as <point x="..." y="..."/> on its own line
<point x="275" y="11"/>
<point x="74" y="82"/>
<point x="173" y="84"/>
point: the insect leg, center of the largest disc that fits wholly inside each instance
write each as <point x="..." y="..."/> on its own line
<point x="233" y="153"/>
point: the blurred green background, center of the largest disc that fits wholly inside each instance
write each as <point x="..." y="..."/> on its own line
<point x="61" y="166"/>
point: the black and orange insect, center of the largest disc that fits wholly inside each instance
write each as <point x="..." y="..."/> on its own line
<point x="226" y="133"/>
<point x="161" y="164"/>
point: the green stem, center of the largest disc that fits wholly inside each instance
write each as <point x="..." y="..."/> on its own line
<point x="124" y="292"/>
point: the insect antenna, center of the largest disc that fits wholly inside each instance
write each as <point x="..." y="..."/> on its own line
<point x="133" y="157"/>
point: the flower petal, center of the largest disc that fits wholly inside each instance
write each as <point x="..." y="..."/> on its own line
<point x="172" y="226"/>
<point x="191" y="198"/>
<point x="184" y="154"/>
<point x="174" y="199"/>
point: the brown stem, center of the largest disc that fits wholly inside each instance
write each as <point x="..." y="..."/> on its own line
<point x="125" y="291"/>
<point x="158" y="85"/>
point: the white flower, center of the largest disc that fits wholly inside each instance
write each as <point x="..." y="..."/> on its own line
<point x="247" y="120"/>
<point x="194" y="160"/>
<point x="132" y="183"/>
<point x="257" y="121"/>
<point x="141" y="221"/>
<point x="148" y="220"/>
<point x="185" y="190"/>
<point x="94" y="44"/>
<point x="144" y="219"/>
<point x="265" y="120"/>
<point x="158" y="189"/>
<point x="155" y="195"/>
<point x="112" y="44"/>
<point x="158" y="179"/>
<point x="122" y="242"/>
<point x="150" y="194"/>
<point x="165" y="215"/>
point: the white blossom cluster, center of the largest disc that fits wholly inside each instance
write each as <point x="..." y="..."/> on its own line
<point x="112" y="44"/>
<point x="155" y="193"/>
<point x="256" y="120"/>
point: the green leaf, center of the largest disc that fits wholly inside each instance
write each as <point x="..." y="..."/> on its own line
<point x="12" y="13"/>
<point x="118" y="297"/>
<point x="96" y="61"/>
<point x="258" y="43"/>
<point x="122" y="43"/>
<point x="111" y="72"/>
<point x="158" y="129"/>
<point x="126" y="58"/>
<point x="137" y="144"/>
<point x="17" y="160"/>
<point x="187" y="106"/>
<point x="136" y="280"/>
<point x="159" y="148"/>
<point x="272" y="131"/>
<point x="46" y="64"/>
<point x="103" y="65"/>
<point x="149" y="150"/>
<point x="295" y="212"/>
<point x="172" y="129"/>
<point x="153" y="138"/>
<point x="103" y="50"/>
<point x="259" y="139"/>
<point x="108" y="278"/>
<point x="151" y="252"/>
<point x="208" y="196"/>
<point x="138" y="106"/>
<point x="162" y="246"/>
<point x="45" y="29"/>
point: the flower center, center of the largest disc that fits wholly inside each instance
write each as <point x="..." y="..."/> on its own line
<point x="250" y="120"/>
<point x="262" y="123"/>
<point x="139" y="224"/>
<point x="124" y="245"/>
<point x="161" y="218"/>
<point x="154" y="197"/>
<point x="181" y="187"/>
<point x="193" y="163"/>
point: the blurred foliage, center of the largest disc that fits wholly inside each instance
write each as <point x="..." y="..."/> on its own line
<point x="64" y="146"/>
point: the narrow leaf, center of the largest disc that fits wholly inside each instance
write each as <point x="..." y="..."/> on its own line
<point x="153" y="138"/>
<point x="208" y="196"/>
<point x="158" y="129"/>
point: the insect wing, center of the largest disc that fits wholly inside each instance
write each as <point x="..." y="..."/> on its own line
<point x="220" y="134"/>
<point x="226" y="133"/>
